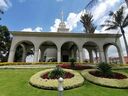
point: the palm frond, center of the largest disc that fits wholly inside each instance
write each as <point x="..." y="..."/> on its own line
<point x="87" y="21"/>
<point x="2" y="12"/>
<point x="111" y="13"/>
<point x="107" y="25"/>
<point x="125" y="22"/>
<point x="119" y="15"/>
<point x="111" y="28"/>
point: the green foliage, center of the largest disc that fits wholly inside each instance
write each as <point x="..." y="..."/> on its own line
<point x="14" y="82"/>
<point x="5" y="42"/>
<point x="104" y="68"/>
<point x="1" y="12"/>
<point x="87" y="21"/>
<point x="72" y="62"/>
<point x="56" y="73"/>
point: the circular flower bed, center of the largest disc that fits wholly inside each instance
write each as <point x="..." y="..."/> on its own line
<point x="69" y="83"/>
<point x="77" y="66"/>
<point x="120" y="81"/>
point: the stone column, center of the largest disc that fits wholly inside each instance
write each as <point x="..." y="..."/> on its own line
<point x="81" y="55"/>
<point x="36" y="54"/>
<point x="120" y="52"/>
<point x="101" y="54"/>
<point x="12" y="52"/>
<point x="42" y="50"/>
<point x="59" y="55"/>
<point x="11" y="55"/>
<point x="96" y="58"/>
<point x="106" y="55"/>
<point x="90" y="55"/>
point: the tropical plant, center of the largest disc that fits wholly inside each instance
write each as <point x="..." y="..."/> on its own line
<point x="87" y="21"/>
<point x="126" y="2"/>
<point x="5" y="42"/>
<point x="118" y="21"/>
<point x="56" y="73"/>
<point x="1" y="12"/>
<point x="72" y="62"/>
<point x="105" y="69"/>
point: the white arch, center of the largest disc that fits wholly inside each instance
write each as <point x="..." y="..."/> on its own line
<point x="105" y="48"/>
<point x="13" y="49"/>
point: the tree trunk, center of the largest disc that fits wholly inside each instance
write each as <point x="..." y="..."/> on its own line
<point x="125" y="41"/>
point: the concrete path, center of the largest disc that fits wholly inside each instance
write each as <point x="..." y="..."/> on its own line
<point x="27" y="66"/>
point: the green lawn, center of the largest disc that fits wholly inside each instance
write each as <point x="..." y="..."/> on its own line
<point x="14" y="82"/>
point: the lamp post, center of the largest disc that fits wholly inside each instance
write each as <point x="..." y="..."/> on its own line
<point x="60" y="86"/>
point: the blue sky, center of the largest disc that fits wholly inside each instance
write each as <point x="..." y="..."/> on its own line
<point x="44" y="15"/>
<point x="33" y="13"/>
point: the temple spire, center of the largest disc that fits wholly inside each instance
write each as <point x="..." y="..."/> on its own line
<point x="62" y="16"/>
<point x="62" y="25"/>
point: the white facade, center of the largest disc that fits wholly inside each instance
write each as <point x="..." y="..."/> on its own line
<point x="66" y="45"/>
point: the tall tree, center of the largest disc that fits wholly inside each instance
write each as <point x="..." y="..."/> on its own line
<point x="87" y="21"/>
<point x="1" y="12"/>
<point x="126" y="2"/>
<point x="5" y="42"/>
<point x="118" y="21"/>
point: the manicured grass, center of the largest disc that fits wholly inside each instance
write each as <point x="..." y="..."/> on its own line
<point x="14" y="82"/>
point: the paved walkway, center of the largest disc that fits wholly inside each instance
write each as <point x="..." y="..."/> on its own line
<point x="27" y="66"/>
<point x="46" y="66"/>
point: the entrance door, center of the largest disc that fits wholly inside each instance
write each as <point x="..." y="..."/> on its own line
<point x="65" y="58"/>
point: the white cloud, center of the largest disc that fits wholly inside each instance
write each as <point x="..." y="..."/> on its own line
<point x="98" y="12"/>
<point x="55" y="26"/>
<point x="37" y="29"/>
<point x="5" y="4"/>
<point x="27" y="29"/>
<point x="104" y="6"/>
<point x="71" y="21"/>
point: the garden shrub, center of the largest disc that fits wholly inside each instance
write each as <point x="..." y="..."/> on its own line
<point x="72" y="62"/>
<point x="105" y="69"/>
<point x="56" y="73"/>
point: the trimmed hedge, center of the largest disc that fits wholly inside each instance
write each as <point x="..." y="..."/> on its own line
<point x="33" y="63"/>
<point x="52" y="84"/>
<point x="116" y="83"/>
<point x="25" y="63"/>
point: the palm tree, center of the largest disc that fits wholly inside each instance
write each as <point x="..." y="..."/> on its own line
<point x="118" y="21"/>
<point x="87" y="21"/>
<point x="1" y="12"/>
<point x="126" y="2"/>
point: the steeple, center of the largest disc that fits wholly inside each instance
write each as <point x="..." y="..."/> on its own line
<point x="62" y="26"/>
<point x="62" y="16"/>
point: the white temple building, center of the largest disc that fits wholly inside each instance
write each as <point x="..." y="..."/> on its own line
<point x="61" y="45"/>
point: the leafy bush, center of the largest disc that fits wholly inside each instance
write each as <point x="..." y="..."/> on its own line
<point x="72" y="62"/>
<point x="104" y="68"/>
<point x="56" y="73"/>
